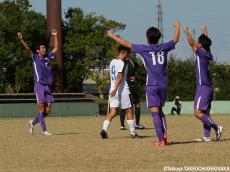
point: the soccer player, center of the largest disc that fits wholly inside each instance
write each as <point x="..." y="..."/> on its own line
<point x="119" y="92"/>
<point x="42" y="81"/>
<point x="155" y="62"/>
<point x="135" y="98"/>
<point x="203" y="98"/>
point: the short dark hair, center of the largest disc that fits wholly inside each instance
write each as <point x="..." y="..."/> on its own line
<point x="122" y="48"/>
<point x="153" y="35"/>
<point x="205" y="42"/>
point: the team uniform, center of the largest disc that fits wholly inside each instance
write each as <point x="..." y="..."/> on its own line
<point x="155" y="62"/>
<point x="204" y="92"/>
<point x="42" y="84"/>
<point x="122" y="97"/>
<point x="42" y="78"/>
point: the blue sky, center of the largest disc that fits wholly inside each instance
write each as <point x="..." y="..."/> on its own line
<point x="138" y="15"/>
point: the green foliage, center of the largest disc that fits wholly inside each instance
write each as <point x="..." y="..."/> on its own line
<point x="16" y="67"/>
<point x="85" y="46"/>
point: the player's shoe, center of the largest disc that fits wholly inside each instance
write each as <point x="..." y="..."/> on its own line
<point x="160" y="144"/>
<point x="31" y="127"/>
<point x="204" y="139"/>
<point x="46" y="133"/>
<point x="139" y="126"/>
<point x="219" y="132"/>
<point x="122" y="128"/>
<point x="132" y="136"/>
<point x="104" y="134"/>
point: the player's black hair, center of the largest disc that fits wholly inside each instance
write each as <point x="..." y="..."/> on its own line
<point x="153" y="35"/>
<point x="123" y="48"/>
<point x="205" y="42"/>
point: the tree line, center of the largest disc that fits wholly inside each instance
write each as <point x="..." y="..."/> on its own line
<point x="85" y="47"/>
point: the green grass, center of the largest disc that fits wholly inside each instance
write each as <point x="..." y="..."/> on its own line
<point x="77" y="146"/>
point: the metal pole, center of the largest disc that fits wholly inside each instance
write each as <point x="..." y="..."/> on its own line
<point x="54" y="20"/>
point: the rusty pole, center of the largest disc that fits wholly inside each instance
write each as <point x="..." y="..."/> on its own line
<point x="54" y="20"/>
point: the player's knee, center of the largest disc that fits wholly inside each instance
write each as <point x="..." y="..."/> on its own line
<point x="41" y="108"/>
<point x="197" y="113"/>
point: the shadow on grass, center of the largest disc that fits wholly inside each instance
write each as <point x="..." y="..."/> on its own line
<point x="63" y="134"/>
<point x="194" y="141"/>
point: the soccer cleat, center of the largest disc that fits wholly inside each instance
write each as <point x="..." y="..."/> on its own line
<point x="160" y="144"/>
<point x="31" y="127"/>
<point x="122" y="128"/>
<point x="132" y="136"/>
<point x="139" y="126"/>
<point x="204" y="139"/>
<point x="219" y="132"/>
<point x="46" y="133"/>
<point x="104" y="134"/>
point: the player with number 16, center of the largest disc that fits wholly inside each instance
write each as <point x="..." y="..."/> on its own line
<point x="155" y="61"/>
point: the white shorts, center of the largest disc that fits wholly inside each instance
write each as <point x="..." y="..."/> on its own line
<point x="122" y="101"/>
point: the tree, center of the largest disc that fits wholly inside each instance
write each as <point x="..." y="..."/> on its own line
<point x="16" y="67"/>
<point x="85" y="46"/>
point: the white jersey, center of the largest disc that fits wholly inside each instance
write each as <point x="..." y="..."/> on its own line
<point x="117" y="66"/>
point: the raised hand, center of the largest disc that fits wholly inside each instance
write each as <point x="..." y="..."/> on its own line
<point x="20" y="36"/>
<point x="53" y="32"/>
<point x="186" y="29"/>
<point x="176" y="24"/>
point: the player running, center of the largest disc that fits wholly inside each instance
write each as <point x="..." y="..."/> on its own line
<point x="119" y="92"/>
<point x="155" y="61"/>
<point x="204" y="93"/>
<point x="42" y="81"/>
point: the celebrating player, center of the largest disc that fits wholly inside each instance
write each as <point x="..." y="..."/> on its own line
<point x="155" y="61"/>
<point x="119" y="92"/>
<point x="203" y="98"/>
<point x="42" y="81"/>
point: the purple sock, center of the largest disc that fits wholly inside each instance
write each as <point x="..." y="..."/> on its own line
<point x="207" y="130"/>
<point x="164" y="124"/>
<point x="158" y="125"/>
<point x="207" y="121"/>
<point x="35" y="121"/>
<point x="42" y="121"/>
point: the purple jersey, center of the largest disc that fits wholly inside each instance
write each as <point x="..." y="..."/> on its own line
<point x="155" y="61"/>
<point x="201" y="67"/>
<point x="42" y="69"/>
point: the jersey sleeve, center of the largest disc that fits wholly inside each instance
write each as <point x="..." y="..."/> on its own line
<point x="137" y="48"/>
<point x="168" y="46"/>
<point x="204" y="54"/>
<point x="50" y="55"/>
<point x="33" y="57"/>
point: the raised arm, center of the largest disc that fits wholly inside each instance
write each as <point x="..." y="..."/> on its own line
<point x="118" y="39"/>
<point x="204" y="30"/>
<point x="54" y="34"/>
<point x="25" y="45"/>
<point x="190" y="39"/>
<point x="176" y="36"/>
<point x="117" y="83"/>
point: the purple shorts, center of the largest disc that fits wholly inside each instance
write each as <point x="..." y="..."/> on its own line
<point x="203" y="97"/>
<point x="43" y="93"/>
<point x="156" y="96"/>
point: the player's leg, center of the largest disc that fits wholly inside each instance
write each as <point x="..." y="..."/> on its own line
<point x="207" y="129"/>
<point x="135" y="98"/>
<point x="114" y="104"/>
<point x="122" y="119"/>
<point x="201" y="104"/>
<point x="130" y="121"/>
<point x="49" y="100"/>
<point x="153" y="102"/>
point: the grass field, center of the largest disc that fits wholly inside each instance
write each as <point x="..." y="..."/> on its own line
<point x="77" y="146"/>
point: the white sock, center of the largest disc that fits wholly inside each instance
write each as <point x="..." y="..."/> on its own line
<point x="106" y="125"/>
<point x="131" y="124"/>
